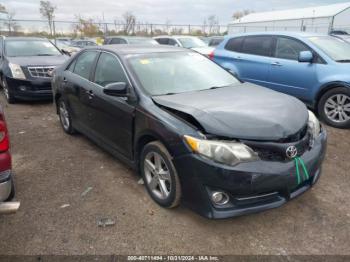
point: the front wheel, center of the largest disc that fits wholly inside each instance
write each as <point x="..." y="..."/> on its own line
<point x="8" y="92"/>
<point x="334" y="107"/>
<point x="159" y="175"/>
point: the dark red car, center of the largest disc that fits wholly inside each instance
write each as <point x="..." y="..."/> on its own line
<point x="7" y="189"/>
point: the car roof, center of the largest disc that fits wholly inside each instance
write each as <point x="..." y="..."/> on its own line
<point x="128" y="37"/>
<point x="290" y="34"/>
<point x="138" y="49"/>
<point x="175" y="36"/>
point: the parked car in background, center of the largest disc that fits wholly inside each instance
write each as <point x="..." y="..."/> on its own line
<point x="64" y="40"/>
<point x="131" y="40"/>
<point x="82" y="43"/>
<point x="190" y="42"/>
<point x="215" y="40"/>
<point x="195" y="132"/>
<point x="312" y="67"/>
<point x="338" y="32"/>
<point x="7" y="187"/>
<point x="26" y="65"/>
<point x="67" y="49"/>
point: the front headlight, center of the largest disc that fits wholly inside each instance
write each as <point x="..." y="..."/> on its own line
<point x="229" y="153"/>
<point x="16" y="71"/>
<point x="314" y="126"/>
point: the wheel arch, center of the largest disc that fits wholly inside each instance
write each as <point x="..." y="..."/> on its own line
<point x="142" y="140"/>
<point x="327" y="87"/>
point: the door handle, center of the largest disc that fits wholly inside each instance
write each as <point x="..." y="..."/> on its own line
<point x="276" y="64"/>
<point x="90" y="93"/>
<point x="65" y="80"/>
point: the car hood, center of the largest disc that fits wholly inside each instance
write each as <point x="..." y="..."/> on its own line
<point x="38" y="60"/>
<point x="203" y="50"/>
<point x="243" y="111"/>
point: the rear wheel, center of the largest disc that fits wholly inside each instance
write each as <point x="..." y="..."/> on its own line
<point x="159" y="175"/>
<point x="334" y="107"/>
<point x="65" y="117"/>
<point x="7" y="92"/>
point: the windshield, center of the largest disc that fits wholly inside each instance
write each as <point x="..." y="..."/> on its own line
<point x="178" y="72"/>
<point x="337" y="49"/>
<point x="30" y="48"/>
<point x="140" y="41"/>
<point x="191" y="42"/>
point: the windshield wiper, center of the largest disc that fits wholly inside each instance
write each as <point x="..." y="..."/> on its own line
<point x="343" y="61"/>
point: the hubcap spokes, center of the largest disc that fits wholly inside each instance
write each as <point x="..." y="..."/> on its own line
<point x="337" y="108"/>
<point x="157" y="175"/>
<point x="64" y="116"/>
<point x="6" y="92"/>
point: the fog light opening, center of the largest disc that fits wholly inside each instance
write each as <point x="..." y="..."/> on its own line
<point x="23" y="88"/>
<point x="220" y="198"/>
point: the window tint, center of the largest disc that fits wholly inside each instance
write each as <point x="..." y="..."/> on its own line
<point x="163" y="41"/>
<point x="84" y="64"/>
<point x="1" y="45"/>
<point x="287" y="48"/>
<point x="257" y="45"/>
<point x="115" y="41"/>
<point x="71" y="66"/>
<point x="172" y="42"/>
<point x="122" y="41"/>
<point x="109" y="70"/>
<point x="234" y="44"/>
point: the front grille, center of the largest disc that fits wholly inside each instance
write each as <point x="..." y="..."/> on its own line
<point x="276" y="151"/>
<point x="40" y="71"/>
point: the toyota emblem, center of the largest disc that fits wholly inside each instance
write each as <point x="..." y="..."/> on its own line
<point x="291" y="152"/>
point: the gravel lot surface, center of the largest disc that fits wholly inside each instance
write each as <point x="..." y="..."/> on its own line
<point x="66" y="184"/>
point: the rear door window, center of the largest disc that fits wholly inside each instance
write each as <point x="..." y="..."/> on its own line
<point x="163" y="41"/>
<point x="234" y="44"/>
<point x="257" y="45"/>
<point x="287" y="48"/>
<point x="115" y="41"/>
<point x="85" y="63"/>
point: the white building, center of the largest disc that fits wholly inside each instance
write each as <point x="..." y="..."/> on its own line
<point x="321" y="19"/>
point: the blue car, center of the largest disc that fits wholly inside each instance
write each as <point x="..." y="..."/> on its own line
<point x="312" y="67"/>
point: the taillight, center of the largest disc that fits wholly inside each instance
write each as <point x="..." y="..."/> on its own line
<point x="4" y="138"/>
<point x="211" y="55"/>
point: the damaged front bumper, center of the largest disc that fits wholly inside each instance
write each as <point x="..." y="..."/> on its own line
<point x="251" y="187"/>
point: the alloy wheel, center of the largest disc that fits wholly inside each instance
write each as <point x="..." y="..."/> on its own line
<point x="64" y="116"/>
<point x="6" y="91"/>
<point x="157" y="175"/>
<point x="337" y="108"/>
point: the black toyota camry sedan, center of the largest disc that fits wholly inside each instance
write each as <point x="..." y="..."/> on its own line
<point x="25" y="67"/>
<point x="195" y="133"/>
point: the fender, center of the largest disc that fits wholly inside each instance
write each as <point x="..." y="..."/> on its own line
<point x="328" y="86"/>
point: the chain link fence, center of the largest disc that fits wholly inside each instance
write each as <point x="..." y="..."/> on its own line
<point x="88" y="28"/>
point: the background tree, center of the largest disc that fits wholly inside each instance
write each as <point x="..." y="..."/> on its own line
<point x="2" y="9"/>
<point x="239" y="14"/>
<point x="47" y="10"/>
<point x="129" y="21"/>
<point x="213" y="24"/>
<point x="86" y="27"/>
<point x="10" y="23"/>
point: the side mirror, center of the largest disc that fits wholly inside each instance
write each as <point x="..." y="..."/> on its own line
<point x="305" y="57"/>
<point x="116" y="89"/>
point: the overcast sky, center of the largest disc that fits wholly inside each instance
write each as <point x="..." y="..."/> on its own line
<point x="155" y="11"/>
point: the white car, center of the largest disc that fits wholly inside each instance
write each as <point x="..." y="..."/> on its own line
<point x="184" y="41"/>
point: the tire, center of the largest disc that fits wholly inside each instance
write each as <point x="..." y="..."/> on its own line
<point x="161" y="180"/>
<point x="65" y="117"/>
<point x="334" y="107"/>
<point x="7" y="92"/>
